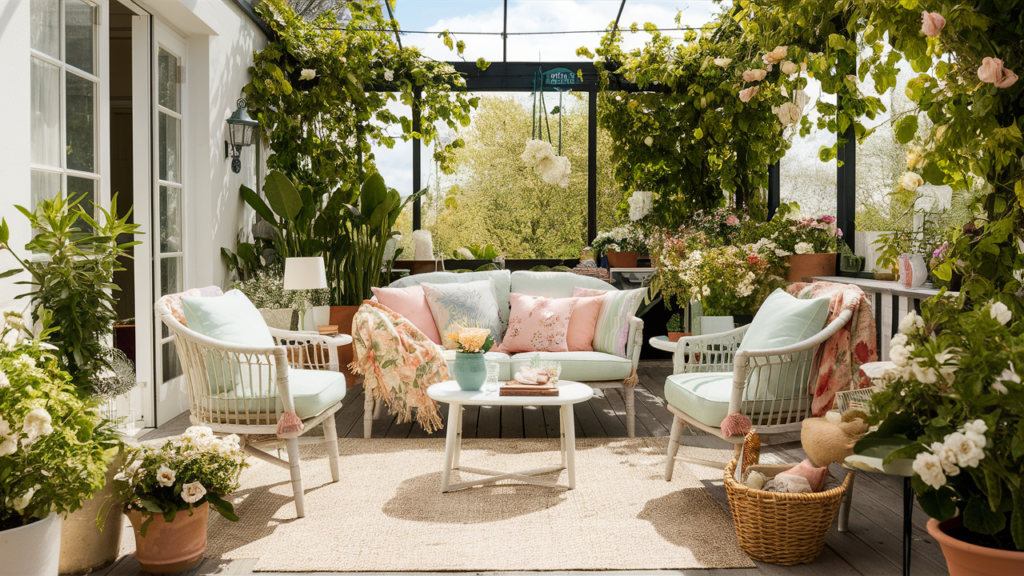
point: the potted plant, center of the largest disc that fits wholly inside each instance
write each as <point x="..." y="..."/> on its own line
<point x="812" y="245"/>
<point x="470" y="370"/>
<point x="621" y="245"/>
<point x="675" y="328"/>
<point x="54" y="451"/>
<point x="167" y="490"/>
<point x="952" y="403"/>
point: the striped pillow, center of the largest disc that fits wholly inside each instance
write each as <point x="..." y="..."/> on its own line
<point x="612" y="331"/>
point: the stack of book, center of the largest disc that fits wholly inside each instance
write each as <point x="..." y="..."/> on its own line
<point x="513" y="388"/>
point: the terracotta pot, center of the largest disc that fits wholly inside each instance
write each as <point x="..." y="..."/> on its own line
<point x="965" y="559"/>
<point x="32" y="549"/>
<point x="418" y="266"/>
<point x="171" y="547"/>
<point x="84" y="547"/>
<point x="806" y="265"/>
<point x="341" y="316"/>
<point x="675" y="336"/>
<point x="622" y="259"/>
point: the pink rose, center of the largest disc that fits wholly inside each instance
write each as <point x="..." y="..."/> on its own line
<point x="754" y="75"/>
<point x="828" y="218"/>
<point x="993" y="72"/>
<point x="776" y="56"/>
<point x="732" y="220"/>
<point x="932" y="23"/>
<point x="747" y="94"/>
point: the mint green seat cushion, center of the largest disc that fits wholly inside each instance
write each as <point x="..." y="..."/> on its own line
<point x="581" y="366"/>
<point x="313" y="391"/>
<point x="704" y="396"/>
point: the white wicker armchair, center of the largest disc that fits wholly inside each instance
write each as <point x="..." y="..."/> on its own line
<point x="236" y="389"/>
<point x="757" y="380"/>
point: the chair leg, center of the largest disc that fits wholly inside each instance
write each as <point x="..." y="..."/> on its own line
<point x="673" y="447"/>
<point x="367" y="415"/>
<point x="331" y="434"/>
<point x="844" y="506"/>
<point x="293" y="465"/>
<point x="628" y="397"/>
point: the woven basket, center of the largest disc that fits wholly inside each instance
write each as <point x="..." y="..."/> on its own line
<point x="599" y="273"/>
<point x="783" y="529"/>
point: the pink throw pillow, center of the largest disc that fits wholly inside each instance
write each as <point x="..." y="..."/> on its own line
<point x="173" y="303"/>
<point x="537" y="324"/>
<point x="583" y="323"/>
<point x="410" y="303"/>
<point x="815" y="476"/>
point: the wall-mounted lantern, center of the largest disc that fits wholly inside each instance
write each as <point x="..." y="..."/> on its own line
<point x="241" y="129"/>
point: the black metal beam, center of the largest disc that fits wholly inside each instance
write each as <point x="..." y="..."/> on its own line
<point x="417" y="213"/>
<point x="394" y="23"/>
<point x="615" y="27"/>
<point x="774" y="189"/>
<point x="504" y="35"/>
<point x="846" y="188"/>
<point x="518" y="77"/>
<point x="592" y="165"/>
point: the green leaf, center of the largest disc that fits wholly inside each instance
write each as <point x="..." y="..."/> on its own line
<point x="373" y="193"/>
<point x="994" y="489"/>
<point x="247" y="252"/>
<point x="282" y="195"/>
<point x="225" y="508"/>
<point x="482" y="64"/>
<point x="257" y="204"/>
<point x="881" y="447"/>
<point x="5" y="232"/>
<point x="906" y="129"/>
<point x="938" y="504"/>
<point x="9" y="273"/>
<point x="1017" y="518"/>
<point x="979" y="518"/>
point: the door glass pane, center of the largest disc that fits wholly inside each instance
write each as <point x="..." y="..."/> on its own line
<point x="170" y="275"/>
<point x="167" y="80"/>
<point x="45" y="186"/>
<point x="171" y="365"/>
<point x="81" y="115"/>
<point x="169" y="144"/>
<point x="85" y="189"/>
<point x="79" y="35"/>
<point x="170" y="219"/>
<point x="45" y="18"/>
<point x="45" y="113"/>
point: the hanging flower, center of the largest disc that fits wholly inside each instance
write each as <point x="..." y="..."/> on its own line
<point x="307" y="73"/>
<point x="754" y="75"/>
<point x="1000" y="313"/>
<point x="723" y="62"/>
<point x="748" y="93"/>
<point x="789" y="68"/>
<point x="649" y="141"/>
<point x="993" y="72"/>
<point x="389" y="75"/>
<point x="932" y="23"/>
<point x="788" y="113"/>
<point x="910" y="181"/>
<point x="640" y="204"/>
<point x="776" y="56"/>
<point x="914" y="156"/>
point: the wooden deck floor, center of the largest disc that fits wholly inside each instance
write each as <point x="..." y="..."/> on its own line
<point x="872" y="546"/>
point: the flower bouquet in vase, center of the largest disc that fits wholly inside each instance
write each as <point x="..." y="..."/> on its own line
<point x="167" y="490"/>
<point x="471" y="344"/>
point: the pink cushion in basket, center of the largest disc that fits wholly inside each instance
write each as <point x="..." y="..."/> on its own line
<point x="411" y="303"/>
<point x="815" y="476"/>
<point x="583" y="323"/>
<point x="537" y="324"/>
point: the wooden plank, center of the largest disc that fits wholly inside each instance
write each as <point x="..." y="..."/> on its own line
<point x="613" y="422"/>
<point x="469" y="419"/>
<point x="552" y="421"/>
<point x="587" y="424"/>
<point x="381" y="425"/>
<point x="488" y="424"/>
<point x="533" y="422"/>
<point x="349" y="419"/>
<point x="644" y="418"/>
<point x="511" y="421"/>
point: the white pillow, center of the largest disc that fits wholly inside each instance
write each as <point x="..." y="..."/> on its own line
<point x="463" y="305"/>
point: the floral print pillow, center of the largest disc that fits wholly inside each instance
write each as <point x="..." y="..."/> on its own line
<point x="538" y="324"/>
<point x="463" y="305"/>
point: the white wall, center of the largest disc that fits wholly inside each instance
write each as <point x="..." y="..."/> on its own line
<point x="14" y="137"/>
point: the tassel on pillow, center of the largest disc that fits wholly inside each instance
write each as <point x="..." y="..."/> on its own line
<point x="735" y="425"/>
<point x="289" y="426"/>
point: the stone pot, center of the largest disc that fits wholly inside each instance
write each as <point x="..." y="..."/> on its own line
<point x="341" y="316"/>
<point x="32" y="549"/>
<point x="965" y="559"/>
<point x="84" y="547"/>
<point x="623" y="259"/>
<point x="806" y="265"/>
<point x="171" y="547"/>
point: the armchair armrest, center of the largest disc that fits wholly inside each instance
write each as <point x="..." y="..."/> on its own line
<point x="307" y="349"/>
<point x="635" y="340"/>
<point x="707" y="353"/>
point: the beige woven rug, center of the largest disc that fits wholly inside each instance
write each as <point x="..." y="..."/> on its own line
<point x="387" y="513"/>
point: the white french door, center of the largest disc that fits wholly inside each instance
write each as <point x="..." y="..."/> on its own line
<point x="168" y="209"/>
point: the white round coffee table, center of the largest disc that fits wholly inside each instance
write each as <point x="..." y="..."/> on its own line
<point x="569" y="393"/>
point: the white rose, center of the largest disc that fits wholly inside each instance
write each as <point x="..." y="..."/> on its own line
<point x="924" y="374"/>
<point x="389" y="75"/>
<point x="946" y="457"/>
<point x="198" y="432"/>
<point x="1009" y="375"/>
<point x="165" y="476"/>
<point x="649" y="141"/>
<point x="789" y="68"/>
<point x="1000" y="313"/>
<point x="968" y="452"/>
<point x="36" y="424"/>
<point x="976" y="427"/>
<point x="723" y="62"/>
<point x="307" y="74"/>
<point x="900" y="355"/>
<point x="7" y="441"/>
<point x="929" y="467"/>
<point x="781" y="253"/>
<point x="804" y="248"/>
<point x="899" y="340"/>
<point x="192" y="492"/>
<point x="4" y="382"/>
<point x="910" y="181"/>
<point x="21" y="502"/>
<point x="911" y="323"/>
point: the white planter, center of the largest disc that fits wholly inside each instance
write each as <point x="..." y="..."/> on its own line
<point x="705" y="325"/>
<point x="31" y="550"/>
<point x="315" y="316"/>
<point x="84" y="547"/>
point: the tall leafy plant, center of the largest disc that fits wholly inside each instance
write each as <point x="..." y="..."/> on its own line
<point x="74" y="281"/>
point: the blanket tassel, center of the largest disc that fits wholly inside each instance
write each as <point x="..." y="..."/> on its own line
<point x="289" y="426"/>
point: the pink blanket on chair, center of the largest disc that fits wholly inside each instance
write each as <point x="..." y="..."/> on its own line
<point x="840" y="357"/>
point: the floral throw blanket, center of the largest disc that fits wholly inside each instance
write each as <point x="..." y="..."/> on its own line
<point x="840" y="357"/>
<point x="398" y="363"/>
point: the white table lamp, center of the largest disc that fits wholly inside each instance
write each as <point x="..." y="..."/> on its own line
<point x="304" y="274"/>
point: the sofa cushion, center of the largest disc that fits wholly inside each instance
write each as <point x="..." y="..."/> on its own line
<point x="229" y="318"/>
<point x="500" y="278"/>
<point x="554" y="284"/>
<point x="538" y="324"/>
<point x="581" y="366"/>
<point x="411" y="303"/>
<point x="466" y="305"/>
<point x="612" y="331"/>
<point x="313" y="391"/>
<point x="504" y="362"/>
<point x="583" y="324"/>
<point x="704" y="396"/>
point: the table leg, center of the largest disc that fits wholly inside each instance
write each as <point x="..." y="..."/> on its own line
<point x="570" y="443"/>
<point x="908" y="514"/>
<point x="561" y="433"/>
<point x="458" y="435"/>
<point x="449" y="445"/>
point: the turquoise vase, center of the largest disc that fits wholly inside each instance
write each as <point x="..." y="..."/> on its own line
<point x="470" y="370"/>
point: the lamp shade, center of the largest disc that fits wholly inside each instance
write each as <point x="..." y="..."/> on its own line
<point x="305" y="273"/>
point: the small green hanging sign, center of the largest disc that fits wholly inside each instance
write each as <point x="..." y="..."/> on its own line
<point x="560" y="77"/>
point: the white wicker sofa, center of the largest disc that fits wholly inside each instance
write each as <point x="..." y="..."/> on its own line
<point x="598" y="369"/>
